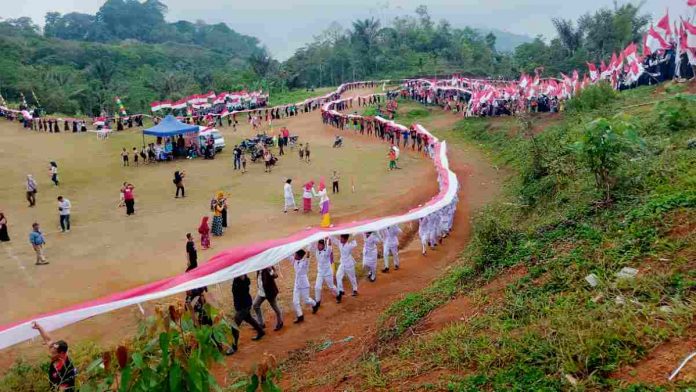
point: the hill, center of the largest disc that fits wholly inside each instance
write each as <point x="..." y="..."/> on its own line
<point x="506" y="41"/>
<point x="569" y="282"/>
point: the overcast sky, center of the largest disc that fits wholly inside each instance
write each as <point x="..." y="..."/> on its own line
<point x="285" y="25"/>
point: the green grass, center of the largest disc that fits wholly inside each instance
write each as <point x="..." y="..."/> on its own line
<point x="552" y="324"/>
<point x="299" y="95"/>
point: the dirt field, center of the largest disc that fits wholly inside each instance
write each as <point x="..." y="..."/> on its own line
<point x="108" y="251"/>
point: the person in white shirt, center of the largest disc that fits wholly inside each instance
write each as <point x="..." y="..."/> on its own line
<point x="64" y="212"/>
<point x="300" y="292"/>
<point x="370" y="240"/>
<point x="324" y="271"/>
<point x="424" y="228"/>
<point x="289" y="196"/>
<point x="347" y="266"/>
<point x="390" y="236"/>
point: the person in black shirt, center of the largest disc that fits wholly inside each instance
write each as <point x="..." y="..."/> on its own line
<point x="61" y="372"/>
<point x="242" y="308"/>
<point x="191" y="253"/>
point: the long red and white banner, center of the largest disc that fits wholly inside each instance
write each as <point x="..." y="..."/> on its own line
<point x="239" y="260"/>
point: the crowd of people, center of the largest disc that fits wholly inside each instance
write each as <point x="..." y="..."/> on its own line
<point x="330" y="273"/>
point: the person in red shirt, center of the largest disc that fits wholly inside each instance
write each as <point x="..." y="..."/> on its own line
<point x="129" y="199"/>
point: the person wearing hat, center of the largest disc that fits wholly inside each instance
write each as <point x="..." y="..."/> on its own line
<point x="61" y="372"/>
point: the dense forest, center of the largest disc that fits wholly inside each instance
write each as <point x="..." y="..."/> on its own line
<point x="79" y="62"/>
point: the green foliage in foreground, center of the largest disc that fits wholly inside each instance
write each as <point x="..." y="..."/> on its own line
<point x="551" y="330"/>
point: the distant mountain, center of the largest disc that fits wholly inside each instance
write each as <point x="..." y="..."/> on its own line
<point x="505" y="41"/>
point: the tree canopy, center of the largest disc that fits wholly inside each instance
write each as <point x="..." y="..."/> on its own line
<point x="127" y="49"/>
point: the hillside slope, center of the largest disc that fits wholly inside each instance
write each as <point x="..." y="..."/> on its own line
<point x="518" y="311"/>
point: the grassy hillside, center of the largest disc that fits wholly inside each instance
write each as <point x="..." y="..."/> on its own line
<point x="516" y="312"/>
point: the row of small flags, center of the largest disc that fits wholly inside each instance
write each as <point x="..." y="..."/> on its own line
<point x="204" y="100"/>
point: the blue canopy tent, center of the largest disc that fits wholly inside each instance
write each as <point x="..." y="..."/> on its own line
<point x="169" y="126"/>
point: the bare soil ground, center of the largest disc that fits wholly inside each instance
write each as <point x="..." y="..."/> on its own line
<point x="107" y="251"/>
<point x="347" y="329"/>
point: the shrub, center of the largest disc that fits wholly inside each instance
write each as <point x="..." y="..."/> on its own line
<point x="592" y="98"/>
<point x="678" y="113"/>
<point x="603" y="146"/>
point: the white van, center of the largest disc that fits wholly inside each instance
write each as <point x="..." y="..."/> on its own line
<point x="205" y="132"/>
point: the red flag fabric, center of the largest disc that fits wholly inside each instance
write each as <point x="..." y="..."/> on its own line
<point x="653" y="42"/>
<point x="690" y="33"/>
<point x="663" y="26"/>
<point x="691" y="3"/>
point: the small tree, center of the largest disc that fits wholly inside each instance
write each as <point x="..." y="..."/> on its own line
<point x="171" y="353"/>
<point x="603" y="145"/>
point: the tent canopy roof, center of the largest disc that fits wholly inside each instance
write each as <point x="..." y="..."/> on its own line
<point x="170" y="126"/>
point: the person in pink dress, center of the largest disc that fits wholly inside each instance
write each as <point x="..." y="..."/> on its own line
<point x="204" y="231"/>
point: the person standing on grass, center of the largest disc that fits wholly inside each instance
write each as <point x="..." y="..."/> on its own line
<point x="267" y="157"/>
<point x="191" y="253"/>
<point x="124" y="157"/>
<point x="224" y="212"/>
<point x="204" y="231"/>
<point x="53" y="170"/>
<point x="242" y="311"/>
<point x="237" y="155"/>
<point x="217" y="214"/>
<point x="61" y="372"/>
<point x="31" y="190"/>
<point x="334" y="181"/>
<point x="37" y="241"/>
<point x="129" y="199"/>
<point x="64" y="212"/>
<point x="244" y="162"/>
<point x="289" y="196"/>
<point x="4" y="237"/>
<point x="179" y="182"/>
<point x="347" y="264"/>
<point x="325" y="275"/>
<point x="306" y="152"/>
<point x="301" y="152"/>
<point x="267" y="291"/>
<point x="135" y="156"/>
<point x="392" y="159"/>
<point x="300" y="292"/>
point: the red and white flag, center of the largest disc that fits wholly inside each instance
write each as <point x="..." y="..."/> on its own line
<point x="594" y="75"/>
<point x="166" y="104"/>
<point x="653" y="42"/>
<point x="663" y="27"/>
<point x="630" y="53"/>
<point x="689" y="35"/>
<point x="180" y="104"/>
<point x="155" y="106"/>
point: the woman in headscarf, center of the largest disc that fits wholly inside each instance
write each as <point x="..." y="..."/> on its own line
<point x="324" y="204"/>
<point x="204" y="231"/>
<point x="217" y="215"/>
<point x="4" y="237"/>
<point x="307" y="196"/>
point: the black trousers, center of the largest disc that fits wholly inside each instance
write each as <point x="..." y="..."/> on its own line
<point x="335" y="187"/>
<point x="130" y="207"/>
<point x="182" y="189"/>
<point x="241" y="316"/>
<point x="65" y="222"/>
